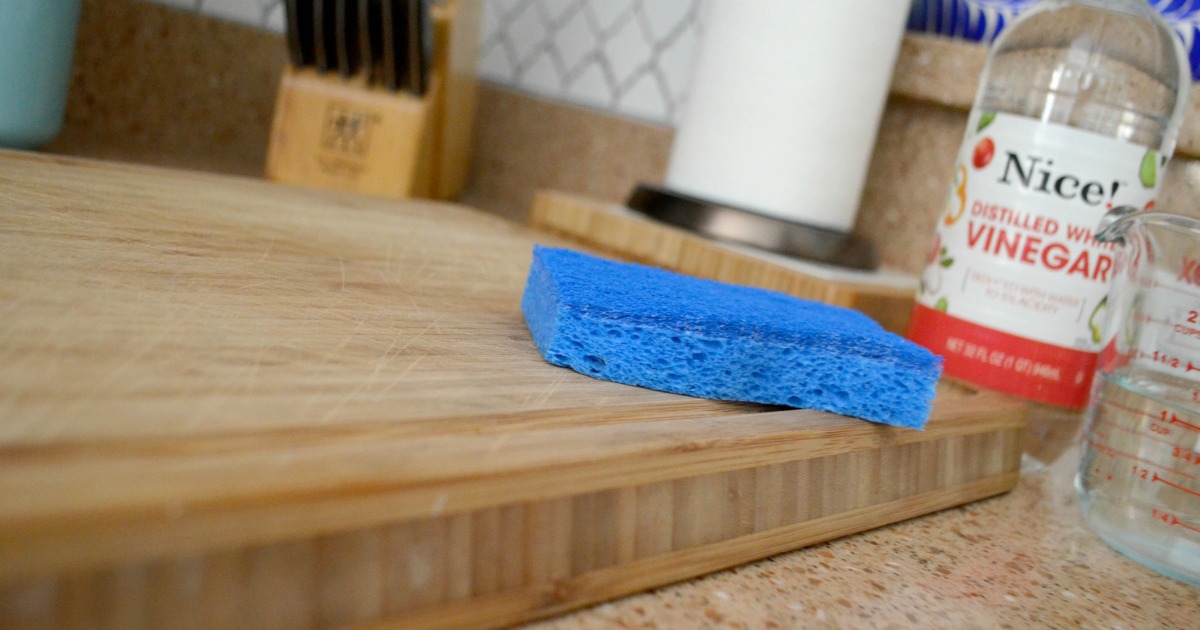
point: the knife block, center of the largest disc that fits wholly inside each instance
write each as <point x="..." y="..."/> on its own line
<point x="342" y="133"/>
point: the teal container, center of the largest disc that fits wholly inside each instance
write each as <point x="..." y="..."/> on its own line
<point x="37" y="41"/>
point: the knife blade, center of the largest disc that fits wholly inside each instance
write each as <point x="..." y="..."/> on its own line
<point x="300" y="32"/>
<point x="370" y="37"/>
<point x="420" y="46"/>
<point x="324" y="35"/>
<point x="394" y="70"/>
<point x="346" y="35"/>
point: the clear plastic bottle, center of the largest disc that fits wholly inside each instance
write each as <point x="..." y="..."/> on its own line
<point x="1112" y="67"/>
<point x="1077" y="112"/>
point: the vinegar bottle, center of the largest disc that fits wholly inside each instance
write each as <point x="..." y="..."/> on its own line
<point x="1077" y="112"/>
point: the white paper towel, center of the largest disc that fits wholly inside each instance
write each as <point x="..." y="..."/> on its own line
<point x="785" y="103"/>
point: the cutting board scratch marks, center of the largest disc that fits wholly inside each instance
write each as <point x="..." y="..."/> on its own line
<point x="538" y="400"/>
<point x="267" y="252"/>
<point x="499" y="443"/>
<point x="134" y="359"/>
<point x="340" y="348"/>
<point x="385" y="357"/>
<point x="401" y="376"/>
<point x="431" y="326"/>
<point x="330" y="359"/>
<point x="385" y="273"/>
<point x="319" y="316"/>
<point x="341" y="403"/>
<point x="252" y="377"/>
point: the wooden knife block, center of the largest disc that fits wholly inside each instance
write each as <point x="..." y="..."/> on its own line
<point x="341" y="133"/>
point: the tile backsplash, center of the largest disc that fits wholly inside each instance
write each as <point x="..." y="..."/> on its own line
<point x="629" y="57"/>
<point x="266" y="14"/>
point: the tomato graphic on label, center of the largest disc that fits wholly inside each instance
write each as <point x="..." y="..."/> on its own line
<point x="983" y="153"/>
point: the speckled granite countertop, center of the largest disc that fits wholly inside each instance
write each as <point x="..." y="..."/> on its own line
<point x="1021" y="560"/>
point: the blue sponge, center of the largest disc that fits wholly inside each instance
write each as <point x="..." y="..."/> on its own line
<point x="650" y="327"/>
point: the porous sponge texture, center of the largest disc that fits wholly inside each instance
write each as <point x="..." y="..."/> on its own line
<point x="650" y="327"/>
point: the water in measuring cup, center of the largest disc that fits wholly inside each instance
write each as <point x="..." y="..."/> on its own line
<point x="1139" y="478"/>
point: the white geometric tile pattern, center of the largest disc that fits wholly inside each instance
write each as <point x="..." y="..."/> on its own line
<point x="265" y="14"/>
<point x="626" y="56"/>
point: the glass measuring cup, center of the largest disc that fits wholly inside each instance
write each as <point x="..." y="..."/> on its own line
<point x="1139" y="475"/>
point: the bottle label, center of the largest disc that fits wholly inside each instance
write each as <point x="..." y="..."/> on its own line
<point x="1014" y="291"/>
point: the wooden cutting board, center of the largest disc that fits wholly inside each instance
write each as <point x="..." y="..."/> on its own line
<point x="227" y="403"/>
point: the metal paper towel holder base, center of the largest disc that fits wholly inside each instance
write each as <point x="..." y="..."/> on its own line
<point x="738" y="225"/>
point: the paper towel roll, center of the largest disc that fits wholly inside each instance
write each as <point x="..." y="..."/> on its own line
<point x="785" y="103"/>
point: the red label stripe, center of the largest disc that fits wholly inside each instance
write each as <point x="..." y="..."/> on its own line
<point x="1023" y="367"/>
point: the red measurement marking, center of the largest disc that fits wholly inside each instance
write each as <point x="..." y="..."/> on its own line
<point x="1187" y="425"/>
<point x="1112" y="452"/>
<point x="1187" y="455"/>
<point x="1179" y="523"/>
<point x="1189" y="272"/>
<point x="1171" y="519"/>
<point x="1175" y="485"/>
<point x="1191" y="368"/>
<point x="1135" y="432"/>
<point x="1161" y="416"/>
<point x="1136" y="412"/>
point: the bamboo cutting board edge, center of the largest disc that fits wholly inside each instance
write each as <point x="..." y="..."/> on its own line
<point x="477" y="587"/>
<point x="183" y="513"/>
<point x="610" y="583"/>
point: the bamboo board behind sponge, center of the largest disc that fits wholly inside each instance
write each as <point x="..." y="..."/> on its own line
<point x="612" y="229"/>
